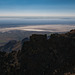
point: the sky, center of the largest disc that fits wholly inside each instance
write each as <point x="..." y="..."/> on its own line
<point x="52" y="8"/>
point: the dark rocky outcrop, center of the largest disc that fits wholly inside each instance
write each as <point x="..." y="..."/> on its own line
<point x="41" y="56"/>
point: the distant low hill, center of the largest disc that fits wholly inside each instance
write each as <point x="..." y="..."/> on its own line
<point x="13" y="45"/>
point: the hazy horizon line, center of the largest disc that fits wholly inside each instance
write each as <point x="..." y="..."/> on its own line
<point x="63" y="17"/>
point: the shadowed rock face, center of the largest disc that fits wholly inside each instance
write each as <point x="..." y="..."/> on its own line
<point x="38" y="38"/>
<point x="42" y="56"/>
